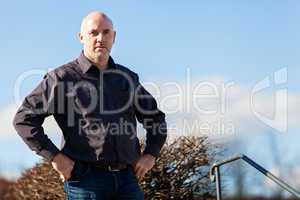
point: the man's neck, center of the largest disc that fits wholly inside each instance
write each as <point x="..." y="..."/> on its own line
<point x="101" y="63"/>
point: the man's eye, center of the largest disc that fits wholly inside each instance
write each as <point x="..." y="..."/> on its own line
<point x="94" y="33"/>
<point x="106" y="32"/>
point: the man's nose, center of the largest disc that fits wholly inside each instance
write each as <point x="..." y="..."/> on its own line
<point x="100" y="37"/>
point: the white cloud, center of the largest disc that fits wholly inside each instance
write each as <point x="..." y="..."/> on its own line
<point x="222" y="108"/>
<point x="6" y="118"/>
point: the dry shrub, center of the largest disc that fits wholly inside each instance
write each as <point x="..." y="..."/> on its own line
<point x="181" y="172"/>
<point x="39" y="183"/>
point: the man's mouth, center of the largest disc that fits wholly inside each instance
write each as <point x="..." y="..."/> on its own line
<point x="100" y="48"/>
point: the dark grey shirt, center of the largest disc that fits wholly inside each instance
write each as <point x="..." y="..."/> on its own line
<point x="96" y="111"/>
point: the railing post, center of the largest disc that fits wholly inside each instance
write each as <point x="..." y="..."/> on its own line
<point x="218" y="183"/>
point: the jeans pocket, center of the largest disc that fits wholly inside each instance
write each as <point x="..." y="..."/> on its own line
<point x="79" y="170"/>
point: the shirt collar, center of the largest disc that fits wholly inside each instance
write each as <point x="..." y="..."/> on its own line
<point x="85" y="64"/>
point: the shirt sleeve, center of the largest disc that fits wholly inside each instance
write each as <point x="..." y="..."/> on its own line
<point x="152" y="118"/>
<point x="30" y="116"/>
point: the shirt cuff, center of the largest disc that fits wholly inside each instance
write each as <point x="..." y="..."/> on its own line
<point x="153" y="150"/>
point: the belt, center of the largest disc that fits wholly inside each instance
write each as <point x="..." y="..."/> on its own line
<point x="110" y="167"/>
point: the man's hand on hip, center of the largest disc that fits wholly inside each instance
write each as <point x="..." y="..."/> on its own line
<point x="63" y="165"/>
<point x="143" y="165"/>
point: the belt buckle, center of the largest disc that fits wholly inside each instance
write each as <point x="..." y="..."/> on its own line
<point x="112" y="170"/>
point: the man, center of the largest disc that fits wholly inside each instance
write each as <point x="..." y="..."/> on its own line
<point x="96" y="103"/>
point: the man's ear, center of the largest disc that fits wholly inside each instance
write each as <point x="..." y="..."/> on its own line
<point x="115" y="34"/>
<point x="80" y="37"/>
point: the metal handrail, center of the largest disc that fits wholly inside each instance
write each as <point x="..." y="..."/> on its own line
<point x="215" y="175"/>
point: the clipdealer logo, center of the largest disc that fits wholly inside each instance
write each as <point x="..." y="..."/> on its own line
<point x="279" y="118"/>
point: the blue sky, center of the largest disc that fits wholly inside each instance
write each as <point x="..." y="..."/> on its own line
<point x="240" y="41"/>
<point x="232" y="38"/>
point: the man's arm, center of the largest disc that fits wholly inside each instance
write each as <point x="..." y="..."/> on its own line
<point x="39" y="104"/>
<point x="30" y="116"/>
<point x="154" y="122"/>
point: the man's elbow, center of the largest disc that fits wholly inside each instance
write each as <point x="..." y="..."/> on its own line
<point x="17" y="121"/>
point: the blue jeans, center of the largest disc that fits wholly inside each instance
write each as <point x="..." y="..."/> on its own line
<point x="91" y="183"/>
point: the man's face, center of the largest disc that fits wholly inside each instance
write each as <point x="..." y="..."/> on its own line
<point x="97" y="36"/>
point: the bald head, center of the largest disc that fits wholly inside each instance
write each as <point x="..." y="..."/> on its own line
<point x="95" y="17"/>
